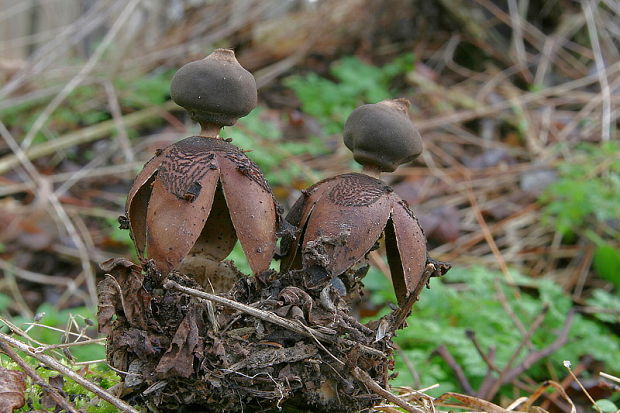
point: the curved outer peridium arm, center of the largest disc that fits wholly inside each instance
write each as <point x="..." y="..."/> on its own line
<point x="406" y="250"/>
<point x="253" y="214"/>
<point x="137" y="215"/>
<point x="174" y="224"/>
<point x="289" y="243"/>
<point x="145" y="174"/>
<point x="138" y="200"/>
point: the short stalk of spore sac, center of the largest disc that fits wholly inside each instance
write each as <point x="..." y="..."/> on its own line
<point x="371" y="170"/>
<point x="340" y="219"/>
<point x="196" y="197"/>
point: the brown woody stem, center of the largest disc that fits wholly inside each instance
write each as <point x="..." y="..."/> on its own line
<point x="365" y="378"/>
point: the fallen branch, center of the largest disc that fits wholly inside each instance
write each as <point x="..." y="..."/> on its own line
<point x="271" y="318"/>
<point x="489" y="377"/>
<point x="487" y="358"/>
<point x="67" y="372"/>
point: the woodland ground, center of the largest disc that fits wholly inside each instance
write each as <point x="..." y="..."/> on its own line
<point x="519" y="185"/>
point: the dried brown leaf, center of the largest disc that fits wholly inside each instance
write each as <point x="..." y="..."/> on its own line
<point x="109" y="300"/>
<point x="12" y="388"/>
<point x="121" y="293"/>
<point x="47" y="400"/>
<point x="187" y="343"/>
<point x="468" y="402"/>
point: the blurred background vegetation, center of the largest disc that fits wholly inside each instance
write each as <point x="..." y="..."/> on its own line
<point x="519" y="185"/>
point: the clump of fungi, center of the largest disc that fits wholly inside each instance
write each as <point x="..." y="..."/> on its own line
<point x="195" y="198"/>
<point x="285" y="339"/>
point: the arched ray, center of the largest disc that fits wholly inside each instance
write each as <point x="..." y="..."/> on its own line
<point x="406" y="250"/>
<point x="174" y="224"/>
<point x="252" y="210"/>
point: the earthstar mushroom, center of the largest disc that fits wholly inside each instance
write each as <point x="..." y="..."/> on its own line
<point x="197" y="196"/>
<point x="345" y="215"/>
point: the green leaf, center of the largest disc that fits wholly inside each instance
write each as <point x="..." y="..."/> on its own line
<point x="607" y="263"/>
<point x="356" y="83"/>
<point x="606" y="406"/>
<point x="4" y="302"/>
<point x="444" y="313"/>
<point x="269" y="151"/>
<point x="585" y="202"/>
<point x="609" y="304"/>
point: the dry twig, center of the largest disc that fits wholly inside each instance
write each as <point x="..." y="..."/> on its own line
<point x="524" y="341"/>
<point x="443" y="352"/>
<point x="51" y="391"/>
<point x="58" y="209"/>
<point x="67" y="372"/>
<point x="270" y="317"/>
<point x="363" y="377"/>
